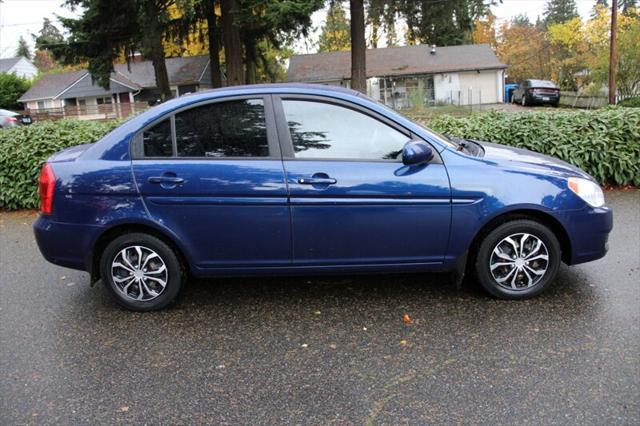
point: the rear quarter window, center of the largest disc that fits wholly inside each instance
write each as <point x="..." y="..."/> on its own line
<point x="156" y="141"/>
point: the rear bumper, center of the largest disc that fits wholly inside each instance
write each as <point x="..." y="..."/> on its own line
<point x="543" y="98"/>
<point x="66" y="244"/>
<point x="589" y="233"/>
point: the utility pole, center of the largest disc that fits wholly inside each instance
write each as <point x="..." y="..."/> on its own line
<point x="613" y="53"/>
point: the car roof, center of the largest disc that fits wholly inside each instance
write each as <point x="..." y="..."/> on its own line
<point x="7" y="113"/>
<point x="275" y="88"/>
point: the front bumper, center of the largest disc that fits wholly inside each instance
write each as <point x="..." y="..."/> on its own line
<point x="588" y="232"/>
<point x="66" y="244"/>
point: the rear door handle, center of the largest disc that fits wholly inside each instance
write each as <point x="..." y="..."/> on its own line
<point x="317" y="181"/>
<point x="166" y="179"/>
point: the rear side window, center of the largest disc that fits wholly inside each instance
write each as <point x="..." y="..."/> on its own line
<point x="156" y="141"/>
<point x="224" y="129"/>
<point x="323" y="130"/>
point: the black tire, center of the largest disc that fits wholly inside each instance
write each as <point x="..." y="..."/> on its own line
<point x="174" y="276"/>
<point x="492" y="240"/>
<point x="555" y="104"/>
<point x="523" y="100"/>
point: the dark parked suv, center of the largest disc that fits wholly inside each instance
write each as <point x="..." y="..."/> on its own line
<point x="536" y="92"/>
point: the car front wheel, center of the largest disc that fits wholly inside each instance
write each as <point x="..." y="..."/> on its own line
<point x="518" y="259"/>
<point x="141" y="272"/>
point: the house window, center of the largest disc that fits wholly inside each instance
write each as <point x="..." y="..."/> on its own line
<point x="40" y="104"/>
<point x="104" y="100"/>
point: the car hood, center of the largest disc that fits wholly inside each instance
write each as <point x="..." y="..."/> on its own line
<point x="509" y="156"/>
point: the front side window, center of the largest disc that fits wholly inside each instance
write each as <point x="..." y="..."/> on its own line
<point x="223" y="129"/>
<point x="322" y="130"/>
<point x="156" y="141"/>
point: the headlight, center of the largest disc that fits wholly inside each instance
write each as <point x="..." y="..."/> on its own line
<point x="589" y="191"/>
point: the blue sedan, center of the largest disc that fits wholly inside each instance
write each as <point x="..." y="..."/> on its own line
<point x="305" y="179"/>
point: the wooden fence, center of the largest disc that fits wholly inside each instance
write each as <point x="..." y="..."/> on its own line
<point x="87" y="112"/>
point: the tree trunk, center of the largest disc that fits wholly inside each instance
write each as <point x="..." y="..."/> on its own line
<point x="232" y="43"/>
<point x="251" y="55"/>
<point x="358" y="47"/>
<point x="160" y="67"/>
<point x="153" y="44"/>
<point x="214" y="46"/>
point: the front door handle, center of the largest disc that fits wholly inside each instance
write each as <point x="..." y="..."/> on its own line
<point x="317" y="181"/>
<point x="166" y="179"/>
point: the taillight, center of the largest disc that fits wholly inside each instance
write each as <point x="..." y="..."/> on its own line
<point x="47" y="187"/>
<point x="13" y="119"/>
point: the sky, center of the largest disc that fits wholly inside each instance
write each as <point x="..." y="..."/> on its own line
<point x="24" y="17"/>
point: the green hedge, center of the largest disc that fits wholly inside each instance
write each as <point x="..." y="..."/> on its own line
<point x="605" y="143"/>
<point x="23" y="150"/>
<point x="631" y="102"/>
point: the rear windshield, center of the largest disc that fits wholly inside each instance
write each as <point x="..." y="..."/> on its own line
<point x="542" y="83"/>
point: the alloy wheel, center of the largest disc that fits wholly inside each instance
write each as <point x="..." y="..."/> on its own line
<point x="519" y="261"/>
<point x="139" y="273"/>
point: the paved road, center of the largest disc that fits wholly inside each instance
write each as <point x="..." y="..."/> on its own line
<point x="322" y="350"/>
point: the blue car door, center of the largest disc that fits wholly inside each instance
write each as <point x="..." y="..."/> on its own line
<point x="352" y="199"/>
<point x="212" y="174"/>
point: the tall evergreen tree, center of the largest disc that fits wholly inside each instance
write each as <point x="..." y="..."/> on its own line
<point x="232" y="43"/>
<point x="276" y="21"/>
<point x="522" y="20"/>
<point x="23" y="48"/>
<point x="335" y="33"/>
<point x="192" y="20"/>
<point x="442" y="23"/>
<point x="559" y="11"/>
<point x="48" y="36"/>
<point x="107" y="29"/>
<point x="213" y="37"/>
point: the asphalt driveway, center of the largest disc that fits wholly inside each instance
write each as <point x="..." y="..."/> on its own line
<point x="329" y="350"/>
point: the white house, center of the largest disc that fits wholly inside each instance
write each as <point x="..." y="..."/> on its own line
<point x="404" y="77"/>
<point x="19" y="66"/>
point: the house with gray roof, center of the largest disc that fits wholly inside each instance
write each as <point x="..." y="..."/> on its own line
<point x="403" y="77"/>
<point x="130" y="84"/>
<point x="20" y="66"/>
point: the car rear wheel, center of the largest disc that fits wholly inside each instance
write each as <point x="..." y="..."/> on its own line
<point x="141" y="272"/>
<point x="523" y="100"/>
<point x="518" y="259"/>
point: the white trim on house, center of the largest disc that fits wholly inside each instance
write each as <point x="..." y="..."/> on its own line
<point x="70" y="86"/>
<point x="204" y="70"/>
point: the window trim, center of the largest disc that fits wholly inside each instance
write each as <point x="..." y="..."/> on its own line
<point x="136" y="146"/>
<point x="286" y="142"/>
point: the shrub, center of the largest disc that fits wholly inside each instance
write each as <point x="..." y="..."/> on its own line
<point x="11" y="88"/>
<point x="23" y="151"/>
<point x="605" y="143"/>
<point x="630" y="102"/>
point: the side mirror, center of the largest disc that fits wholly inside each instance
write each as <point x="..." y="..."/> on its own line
<point x="416" y="152"/>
